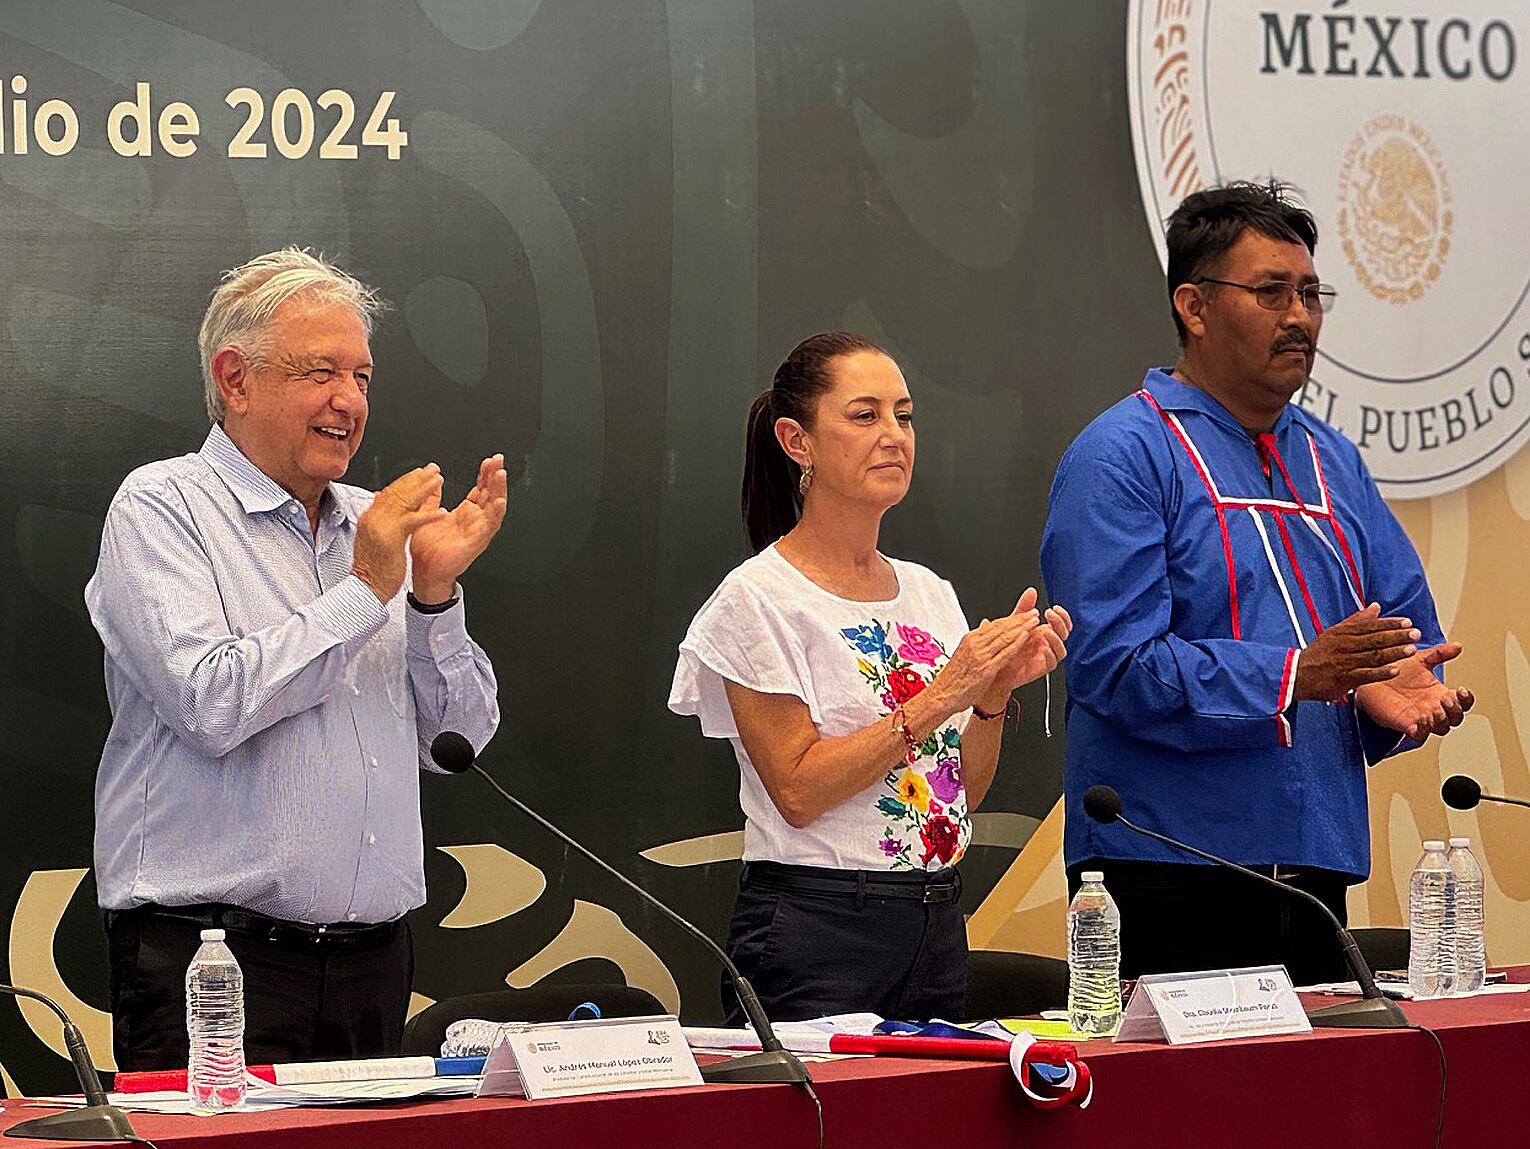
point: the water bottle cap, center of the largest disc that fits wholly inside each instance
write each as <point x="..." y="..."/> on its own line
<point x="1434" y="844"/>
<point x="212" y="935"/>
<point x="1093" y="875"/>
<point x="1460" y="843"/>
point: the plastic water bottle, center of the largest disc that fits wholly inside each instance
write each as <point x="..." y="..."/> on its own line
<point x="215" y="1025"/>
<point x="1471" y="950"/>
<point x="1431" y="925"/>
<point x="1094" y="958"/>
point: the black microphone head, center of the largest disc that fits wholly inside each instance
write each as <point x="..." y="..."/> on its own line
<point x="452" y="752"/>
<point x="1102" y="803"/>
<point x="1461" y="792"/>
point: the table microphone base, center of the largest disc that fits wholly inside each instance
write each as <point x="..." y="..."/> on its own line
<point x="93" y="1123"/>
<point x="773" y="1067"/>
<point x="1367" y="1013"/>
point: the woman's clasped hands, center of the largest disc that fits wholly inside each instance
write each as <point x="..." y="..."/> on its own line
<point x="1002" y="654"/>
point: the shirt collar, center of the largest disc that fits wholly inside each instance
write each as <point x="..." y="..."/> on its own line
<point x="1174" y="395"/>
<point x="256" y="491"/>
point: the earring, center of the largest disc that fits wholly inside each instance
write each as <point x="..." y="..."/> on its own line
<point x="805" y="481"/>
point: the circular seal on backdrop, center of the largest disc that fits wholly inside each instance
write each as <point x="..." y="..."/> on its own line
<point x="1394" y="209"/>
<point x="1389" y="121"/>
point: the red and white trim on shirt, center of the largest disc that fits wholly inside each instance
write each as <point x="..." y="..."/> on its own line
<point x="1338" y="530"/>
<point x="1217" y="504"/>
<point x="1287" y="695"/>
<point x="1278" y="510"/>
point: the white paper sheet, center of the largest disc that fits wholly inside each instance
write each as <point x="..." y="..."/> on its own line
<point x="1401" y="992"/>
<point x="280" y="1096"/>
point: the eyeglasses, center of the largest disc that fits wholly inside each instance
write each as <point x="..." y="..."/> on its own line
<point x="1277" y="295"/>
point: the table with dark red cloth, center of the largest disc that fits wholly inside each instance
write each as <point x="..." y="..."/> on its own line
<point x="1332" y="1087"/>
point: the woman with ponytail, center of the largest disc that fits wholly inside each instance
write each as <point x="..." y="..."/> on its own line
<point x="864" y="713"/>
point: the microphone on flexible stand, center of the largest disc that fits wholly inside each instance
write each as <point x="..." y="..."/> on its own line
<point x="1372" y="1011"/>
<point x="1463" y="793"/>
<point x="773" y="1064"/>
<point x="99" y="1120"/>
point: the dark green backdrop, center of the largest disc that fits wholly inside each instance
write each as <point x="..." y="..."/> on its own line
<point x="612" y="219"/>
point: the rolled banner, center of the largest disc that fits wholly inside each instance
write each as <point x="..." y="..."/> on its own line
<point x="1054" y="1068"/>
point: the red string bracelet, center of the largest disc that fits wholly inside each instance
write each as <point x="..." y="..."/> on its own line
<point x="989" y="716"/>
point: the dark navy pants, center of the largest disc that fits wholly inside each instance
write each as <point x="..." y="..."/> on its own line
<point x="809" y="953"/>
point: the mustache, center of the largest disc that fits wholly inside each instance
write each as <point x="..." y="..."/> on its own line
<point x="1288" y="342"/>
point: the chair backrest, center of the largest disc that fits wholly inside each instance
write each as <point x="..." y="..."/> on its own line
<point x="1001" y="983"/>
<point x="548" y="1002"/>
<point x="1383" y="947"/>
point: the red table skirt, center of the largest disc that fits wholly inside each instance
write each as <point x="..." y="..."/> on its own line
<point x="1333" y="1087"/>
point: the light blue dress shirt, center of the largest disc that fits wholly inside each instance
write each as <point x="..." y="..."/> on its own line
<point x="269" y="715"/>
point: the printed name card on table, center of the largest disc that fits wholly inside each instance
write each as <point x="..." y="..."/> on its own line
<point x="1213" y="1005"/>
<point x="566" y="1058"/>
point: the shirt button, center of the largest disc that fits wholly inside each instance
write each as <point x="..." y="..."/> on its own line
<point x="371" y="839"/>
<point x="355" y="690"/>
<point x="373" y="761"/>
<point x="351" y="917"/>
<point x="293" y="508"/>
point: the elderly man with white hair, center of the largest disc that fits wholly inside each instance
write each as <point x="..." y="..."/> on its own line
<point x="281" y="649"/>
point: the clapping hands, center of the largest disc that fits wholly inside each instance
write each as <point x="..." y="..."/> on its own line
<point x="442" y="544"/>
<point x="444" y="547"/>
<point x="1000" y="655"/>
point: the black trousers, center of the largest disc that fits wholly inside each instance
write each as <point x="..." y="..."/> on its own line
<point x="814" y="952"/>
<point x="1176" y="918"/>
<point x="308" y="995"/>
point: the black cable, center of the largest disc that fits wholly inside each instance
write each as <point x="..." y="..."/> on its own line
<point x="1439" y="1129"/>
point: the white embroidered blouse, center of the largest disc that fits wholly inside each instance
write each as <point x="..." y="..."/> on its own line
<point x="771" y="629"/>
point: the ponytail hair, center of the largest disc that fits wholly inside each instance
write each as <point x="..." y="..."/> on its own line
<point x="772" y="496"/>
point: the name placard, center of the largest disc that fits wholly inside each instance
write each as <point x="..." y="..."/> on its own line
<point x="566" y="1058"/>
<point x="1213" y="1005"/>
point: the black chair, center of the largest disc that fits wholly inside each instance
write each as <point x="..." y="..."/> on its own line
<point x="426" y="1030"/>
<point x="1001" y="983"/>
<point x="1383" y="947"/>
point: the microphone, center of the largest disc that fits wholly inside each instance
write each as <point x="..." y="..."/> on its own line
<point x="1102" y="804"/>
<point x="773" y="1064"/>
<point x="1372" y="1011"/>
<point x="1463" y="793"/>
<point x="99" y="1120"/>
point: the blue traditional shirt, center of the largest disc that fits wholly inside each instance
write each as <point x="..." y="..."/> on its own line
<point x="1198" y="562"/>
<point x="269" y="715"/>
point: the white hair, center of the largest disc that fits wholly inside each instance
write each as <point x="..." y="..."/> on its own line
<point x="239" y="313"/>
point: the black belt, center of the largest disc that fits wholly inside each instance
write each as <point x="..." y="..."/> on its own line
<point x="237" y="920"/>
<point x="939" y="886"/>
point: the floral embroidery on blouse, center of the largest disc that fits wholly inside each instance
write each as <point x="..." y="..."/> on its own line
<point x="925" y="807"/>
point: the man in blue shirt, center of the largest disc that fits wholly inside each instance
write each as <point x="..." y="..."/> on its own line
<point x="1253" y="626"/>
<point x="275" y="689"/>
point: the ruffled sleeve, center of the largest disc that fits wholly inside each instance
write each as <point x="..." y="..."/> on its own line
<point x="738" y="635"/>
